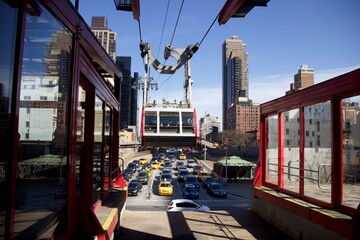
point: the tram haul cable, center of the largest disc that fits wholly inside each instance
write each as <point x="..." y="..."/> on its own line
<point x="177" y="21"/>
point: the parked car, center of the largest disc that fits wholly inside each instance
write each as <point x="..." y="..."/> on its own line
<point x="179" y="164"/>
<point x="186" y="205"/>
<point x="143" y="177"/>
<point x="137" y="162"/>
<point x="203" y="175"/>
<point x="182" y="173"/>
<point x="167" y="164"/>
<point x="132" y="167"/>
<point x="183" y="168"/>
<point x="190" y="191"/>
<point x="197" y="169"/>
<point x="154" y="159"/>
<point x="191" y="163"/>
<point x="134" y="187"/>
<point x="143" y="161"/>
<point x="146" y="166"/>
<point x="182" y="156"/>
<point x="127" y="174"/>
<point x="149" y="171"/>
<point x="165" y="188"/>
<point x="166" y="177"/>
<point x="191" y="179"/>
<point x="166" y="170"/>
<point x="217" y="190"/>
<point x="208" y="181"/>
<point x="155" y="165"/>
<point x="172" y="157"/>
<point x="161" y="156"/>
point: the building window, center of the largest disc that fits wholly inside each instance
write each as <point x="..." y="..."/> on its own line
<point x="318" y="141"/>
<point x="43" y="189"/>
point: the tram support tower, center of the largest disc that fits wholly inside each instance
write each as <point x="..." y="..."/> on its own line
<point x="182" y="57"/>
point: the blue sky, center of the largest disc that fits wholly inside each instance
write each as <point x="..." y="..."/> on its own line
<point x="323" y="34"/>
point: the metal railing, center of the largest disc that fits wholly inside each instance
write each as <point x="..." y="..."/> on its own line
<point x="274" y="172"/>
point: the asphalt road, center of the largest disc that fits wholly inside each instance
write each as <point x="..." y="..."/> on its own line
<point x="145" y="215"/>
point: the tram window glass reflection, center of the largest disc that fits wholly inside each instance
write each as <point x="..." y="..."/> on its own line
<point x="41" y="187"/>
<point x="8" y="40"/>
<point x="291" y="150"/>
<point x="272" y="164"/>
<point x="169" y="122"/>
<point x="150" y="121"/>
<point x="98" y="151"/>
<point x="317" y="151"/>
<point x="107" y="147"/>
<point x="187" y="121"/>
<point x="80" y="136"/>
<point x="351" y="151"/>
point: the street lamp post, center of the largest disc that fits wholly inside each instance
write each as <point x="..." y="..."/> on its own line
<point x="226" y="161"/>
<point x="205" y="153"/>
<point x="225" y="164"/>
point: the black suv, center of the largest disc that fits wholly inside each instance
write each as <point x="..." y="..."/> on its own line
<point x="191" y="179"/>
<point x="134" y="187"/>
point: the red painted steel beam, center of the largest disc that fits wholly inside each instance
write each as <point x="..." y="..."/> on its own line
<point x="229" y="9"/>
<point x="135" y="5"/>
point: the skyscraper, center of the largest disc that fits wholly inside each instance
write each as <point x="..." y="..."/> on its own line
<point x="302" y="79"/>
<point x="234" y="75"/>
<point x="106" y="37"/>
<point x="128" y="94"/>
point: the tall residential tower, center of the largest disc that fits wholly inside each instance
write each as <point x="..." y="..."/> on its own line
<point x="302" y="79"/>
<point x="235" y="82"/>
<point x="106" y="37"/>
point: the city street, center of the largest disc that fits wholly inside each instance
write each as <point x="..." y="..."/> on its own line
<point x="145" y="216"/>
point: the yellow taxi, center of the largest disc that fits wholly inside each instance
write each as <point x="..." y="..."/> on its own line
<point x="165" y="188"/>
<point x="202" y="175"/>
<point x="149" y="171"/>
<point x="155" y="165"/>
<point x="182" y="156"/>
<point x="143" y="161"/>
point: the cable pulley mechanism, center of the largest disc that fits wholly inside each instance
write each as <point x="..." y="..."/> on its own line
<point x="181" y="55"/>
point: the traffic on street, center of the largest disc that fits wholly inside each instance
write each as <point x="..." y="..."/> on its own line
<point x="165" y="177"/>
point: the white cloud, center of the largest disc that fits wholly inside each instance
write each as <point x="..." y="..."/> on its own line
<point x="267" y="88"/>
<point x="323" y="75"/>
